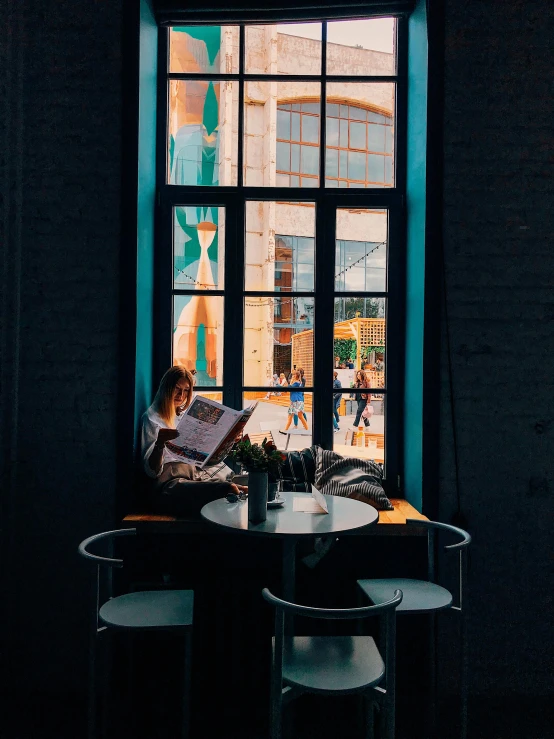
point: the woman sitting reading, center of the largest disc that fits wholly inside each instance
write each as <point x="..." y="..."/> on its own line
<point x="179" y="489"/>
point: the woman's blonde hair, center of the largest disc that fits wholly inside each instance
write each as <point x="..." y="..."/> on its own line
<point x="163" y="401"/>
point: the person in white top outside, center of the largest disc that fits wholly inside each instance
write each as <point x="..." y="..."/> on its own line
<point x="177" y="488"/>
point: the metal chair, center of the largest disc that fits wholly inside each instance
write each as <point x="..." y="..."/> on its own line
<point x="428" y="597"/>
<point x="169" y="610"/>
<point x="334" y="664"/>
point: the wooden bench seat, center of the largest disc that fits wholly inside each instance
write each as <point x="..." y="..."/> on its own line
<point x="393" y="522"/>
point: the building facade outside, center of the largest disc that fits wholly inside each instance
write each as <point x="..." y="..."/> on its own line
<point x="281" y="148"/>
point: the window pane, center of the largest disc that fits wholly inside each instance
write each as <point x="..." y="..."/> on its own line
<point x="376" y="168"/>
<point x="294" y="181"/>
<point x="280" y="326"/>
<point x="352" y="133"/>
<point x="198" y="336"/>
<point x="283" y="125"/>
<point x="375" y="137"/>
<point x="283" y="180"/>
<point x="343" y="169"/>
<point x="361" y="251"/>
<point x="361" y="47"/>
<point x="295" y="158"/>
<point x="356" y="165"/>
<point x="202" y="138"/>
<point x="310" y="128"/>
<point x="270" y="126"/>
<point x="274" y="265"/>
<point x="332" y="131"/>
<point x="359" y="332"/>
<point x="283" y="156"/>
<point x="295" y="128"/>
<point x="283" y="49"/>
<point x="215" y="395"/>
<point x="198" y="247"/>
<point x="332" y="110"/>
<point x="332" y="162"/>
<point x="272" y="413"/>
<point x="310" y="160"/>
<point x="347" y="441"/>
<point x="357" y="135"/>
<point x="388" y="170"/>
<point x="204" y="49"/>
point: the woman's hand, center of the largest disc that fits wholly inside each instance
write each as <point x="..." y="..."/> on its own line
<point x="165" y="435"/>
<point x="239" y="488"/>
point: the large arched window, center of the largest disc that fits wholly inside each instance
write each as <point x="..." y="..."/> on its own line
<point x="358" y="147"/>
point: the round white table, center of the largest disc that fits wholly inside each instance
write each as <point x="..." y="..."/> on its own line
<point x="289" y="525"/>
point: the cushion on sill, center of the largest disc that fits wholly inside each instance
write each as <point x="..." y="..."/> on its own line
<point x="351" y="477"/>
<point x="298" y="470"/>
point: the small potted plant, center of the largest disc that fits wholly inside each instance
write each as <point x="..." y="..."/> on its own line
<point x="262" y="462"/>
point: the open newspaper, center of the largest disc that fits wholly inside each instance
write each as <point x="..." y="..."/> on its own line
<point x="207" y="431"/>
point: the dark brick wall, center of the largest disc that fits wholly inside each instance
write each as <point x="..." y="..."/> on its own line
<point x="498" y="227"/>
<point x="60" y="197"/>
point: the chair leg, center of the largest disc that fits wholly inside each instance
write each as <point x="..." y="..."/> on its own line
<point x="187" y="683"/>
<point x="463" y="678"/>
<point x="276" y="706"/>
<point x="369" y="712"/>
<point x="431" y="713"/>
<point x="91" y="728"/>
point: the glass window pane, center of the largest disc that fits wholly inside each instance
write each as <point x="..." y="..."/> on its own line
<point x="310" y="129"/>
<point x="295" y="158"/>
<point x="331" y="183"/>
<point x="280" y="325"/>
<point x="357" y="135"/>
<point x="347" y="441"/>
<point x="283" y="156"/>
<point x="357" y="114"/>
<point x="332" y="110"/>
<point x="310" y="108"/>
<point x="272" y="412"/>
<point x="202" y="138"/>
<point x="356" y="165"/>
<point x="198" y="336"/>
<point x="204" y="49"/>
<point x="283" y="180"/>
<point x="308" y="181"/>
<point x="332" y="162"/>
<point x="362" y="245"/>
<point x="267" y="127"/>
<point x="198" y="247"/>
<point x="332" y="131"/>
<point x="388" y="170"/>
<point x="295" y="127"/>
<point x="343" y="169"/>
<point x="310" y="159"/>
<point x="344" y="132"/>
<point x="381" y="95"/>
<point x="283" y="48"/>
<point x="388" y="139"/>
<point x="266" y="260"/>
<point x="361" y="47"/>
<point x="343" y="183"/>
<point x="283" y="125"/>
<point x="375" y="137"/>
<point x="295" y="181"/>
<point x="376" y="168"/>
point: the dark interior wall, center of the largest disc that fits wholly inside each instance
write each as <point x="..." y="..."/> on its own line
<point x="61" y="201"/>
<point x="61" y="191"/>
<point x="498" y="225"/>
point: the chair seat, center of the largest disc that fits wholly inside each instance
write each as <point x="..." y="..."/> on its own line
<point x="150" y="609"/>
<point x="340" y="664"/>
<point x="418" y="596"/>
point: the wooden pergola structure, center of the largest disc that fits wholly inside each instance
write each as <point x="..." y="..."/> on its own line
<point x="365" y="332"/>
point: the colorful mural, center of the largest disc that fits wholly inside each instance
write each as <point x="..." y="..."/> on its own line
<point x="195" y="263"/>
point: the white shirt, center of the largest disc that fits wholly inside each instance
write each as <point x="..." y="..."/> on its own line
<point x="152" y="422"/>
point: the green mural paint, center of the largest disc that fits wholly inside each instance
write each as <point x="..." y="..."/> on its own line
<point x="210" y="117"/>
<point x="210" y="35"/>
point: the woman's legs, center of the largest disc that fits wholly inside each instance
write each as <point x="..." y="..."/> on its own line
<point x="336" y="414"/>
<point x="361" y="405"/>
<point x="289" y="421"/>
<point x="302" y="417"/>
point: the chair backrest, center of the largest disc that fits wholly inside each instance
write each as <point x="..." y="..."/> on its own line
<point x="386" y="612"/>
<point x="460" y="546"/>
<point x="105" y="535"/>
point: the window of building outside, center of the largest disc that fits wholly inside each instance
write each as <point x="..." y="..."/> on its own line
<point x="280" y="241"/>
